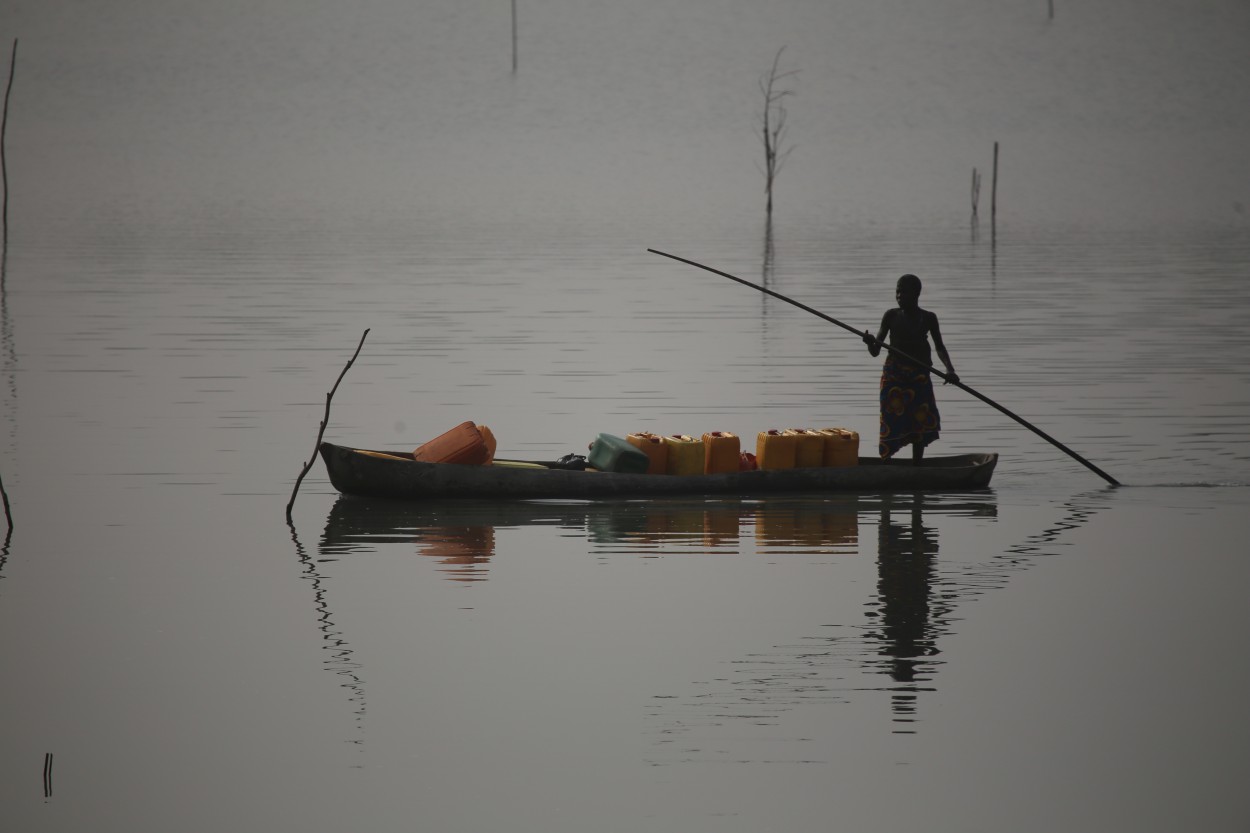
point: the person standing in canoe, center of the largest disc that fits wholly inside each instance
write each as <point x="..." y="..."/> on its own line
<point x="909" y="412"/>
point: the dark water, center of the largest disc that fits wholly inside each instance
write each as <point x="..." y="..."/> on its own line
<point x="210" y="204"/>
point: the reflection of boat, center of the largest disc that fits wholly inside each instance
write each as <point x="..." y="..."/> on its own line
<point x="461" y="535"/>
<point x="390" y="474"/>
<point x="673" y="524"/>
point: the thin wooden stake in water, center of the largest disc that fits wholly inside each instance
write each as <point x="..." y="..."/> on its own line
<point x="4" y="126"/>
<point x="514" y="37"/>
<point x="994" y="192"/>
<point x="324" y="422"/>
<point x="902" y="355"/>
<point x="47" y="775"/>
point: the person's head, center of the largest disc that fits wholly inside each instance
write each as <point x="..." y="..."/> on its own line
<point x="907" y="291"/>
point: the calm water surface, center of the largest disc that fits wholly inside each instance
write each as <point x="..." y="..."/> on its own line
<point x="207" y="213"/>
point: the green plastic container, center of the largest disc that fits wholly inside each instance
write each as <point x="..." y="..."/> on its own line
<point x="610" y="453"/>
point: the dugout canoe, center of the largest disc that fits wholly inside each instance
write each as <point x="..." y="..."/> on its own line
<point x="394" y="474"/>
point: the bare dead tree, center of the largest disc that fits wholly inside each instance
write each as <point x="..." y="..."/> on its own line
<point x="773" y="123"/>
<point x="324" y="422"/>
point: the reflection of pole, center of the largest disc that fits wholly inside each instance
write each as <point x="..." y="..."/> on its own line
<point x="340" y="661"/>
<point x="514" y="37"/>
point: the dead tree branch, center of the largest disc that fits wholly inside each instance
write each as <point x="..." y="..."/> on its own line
<point x="773" y="123"/>
<point x="324" y="422"/>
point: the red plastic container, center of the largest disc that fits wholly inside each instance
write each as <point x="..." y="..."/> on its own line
<point x="466" y="444"/>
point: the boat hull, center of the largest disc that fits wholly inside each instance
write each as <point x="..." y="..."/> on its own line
<point x="395" y="475"/>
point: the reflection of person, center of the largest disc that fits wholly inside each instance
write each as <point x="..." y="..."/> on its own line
<point x="909" y="413"/>
<point x="906" y="559"/>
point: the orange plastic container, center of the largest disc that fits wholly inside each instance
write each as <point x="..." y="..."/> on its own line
<point x="774" y="449"/>
<point x="721" y="450"/>
<point x="809" y="449"/>
<point x="655" y="449"/>
<point x="466" y="444"/>
<point x="841" y="447"/>
<point x="685" y="455"/>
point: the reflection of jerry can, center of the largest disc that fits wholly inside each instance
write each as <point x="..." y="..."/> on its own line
<point x="787" y="528"/>
<point x="809" y="449"/>
<point x="685" y="524"/>
<point x="720" y="527"/>
<point x="773" y="526"/>
<point x="655" y="449"/>
<point x="784" y="529"/>
<point x="685" y="454"/>
<point x="841" y="447"/>
<point x="462" y="550"/>
<point x="841" y="530"/>
<point x="721" y="450"/>
<point x="775" y="449"/>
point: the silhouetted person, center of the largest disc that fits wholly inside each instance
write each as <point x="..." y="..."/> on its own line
<point x="909" y="413"/>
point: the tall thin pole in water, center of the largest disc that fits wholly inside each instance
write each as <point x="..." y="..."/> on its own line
<point x="514" y="37"/>
<point x="4" y="126"/>
<point x="994" y="192"/>
<point x="4" y="244"/>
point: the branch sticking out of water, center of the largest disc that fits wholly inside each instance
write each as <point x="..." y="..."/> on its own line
<point x="773" y="123"/>
<point x="324" y="422"/>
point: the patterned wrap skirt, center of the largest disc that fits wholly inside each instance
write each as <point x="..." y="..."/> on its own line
<point x="909" y="412"/>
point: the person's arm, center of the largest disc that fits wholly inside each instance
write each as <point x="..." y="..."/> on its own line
<point x="874" y="344"/>
<point x="940" y="347"/>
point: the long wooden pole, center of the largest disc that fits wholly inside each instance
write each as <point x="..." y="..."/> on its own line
<point x="994" y="191"/>
<point x="945" y="376"/>
<point x="4" y="127"/>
